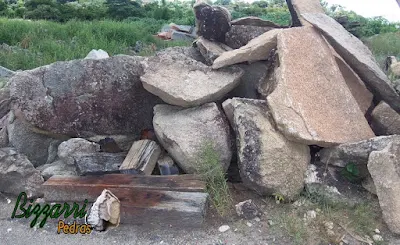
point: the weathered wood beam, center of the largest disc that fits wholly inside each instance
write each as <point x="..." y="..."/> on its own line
<point x="173" y="200"/>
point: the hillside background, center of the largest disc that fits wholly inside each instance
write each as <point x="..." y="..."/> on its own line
<point x="39" y="32"/>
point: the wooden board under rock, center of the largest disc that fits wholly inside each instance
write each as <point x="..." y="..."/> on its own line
<point x="169" y="200"/>
<point x="142" y="156"/>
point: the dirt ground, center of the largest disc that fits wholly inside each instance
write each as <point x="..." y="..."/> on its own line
<point x="280" y="224"/>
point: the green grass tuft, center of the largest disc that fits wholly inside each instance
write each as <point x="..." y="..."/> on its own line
<point x="38" y="43"/>
<point x="211" y="170"/>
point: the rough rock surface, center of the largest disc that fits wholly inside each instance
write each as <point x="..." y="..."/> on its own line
<point x="210" y="50"/>
<point x="268" y="162"/>
<point x="124" y="142"/>
<point x="85" y="97"/>
<point x="97" y="54"/>
<point x="358" y="56"/>
<point x="98" y="162"/>
<point x="4" y="132"/>
<point x="314" y="107"/>
<point x="17" y="174"/>
<point x="240" y="35"/>
<point x="184" y="133"/>
<point x="33" y="145"/>
<point x="385" y="120"/>
<point x="254" y="21"/>
<point x="179" y="80"/>
<point x="328" y="183"/>
<point x="384" y="166"/>
<point x="190" y="52"/>
<point x="298" y="7"/>
<point x="357" y="87"/>
<point x="68" y="149"/>
<point x="4" y="72"/>
<point x="257" y="49"/>
<point x="254" y="74"/>
<point x="357" y="152"/>
<point x="212" y="22"/>
<point x="57" y="168"/>
<point x="5" y="100"/>
<point x="248" y="209"/>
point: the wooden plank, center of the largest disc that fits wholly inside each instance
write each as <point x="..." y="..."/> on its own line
<point x="142" y="156"/>
<point x="139" y="204"/>
<point x="179" y="209"/>
<point x="186" y="182"/>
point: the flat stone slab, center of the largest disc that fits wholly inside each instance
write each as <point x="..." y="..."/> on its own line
<point x="384" y="166"/>
<point x="358" y="56"/>
<point x="298" y="7"/>
<point x="180" y="80"/>
<point x="257" y="49"/>
<point x="314" y="107"/>
<point x="254" y="21"/>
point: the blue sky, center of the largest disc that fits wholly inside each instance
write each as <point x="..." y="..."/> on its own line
<point x="370" y="8"/>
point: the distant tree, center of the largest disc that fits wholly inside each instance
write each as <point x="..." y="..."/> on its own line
<point x="122" y="9"/>
<point x="223" y="2"/>
<point x="3" y="5"/>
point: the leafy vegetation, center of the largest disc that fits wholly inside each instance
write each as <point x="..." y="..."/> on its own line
<point x="384" y="45"/>
<point x="37" y="43"/>
<point x="76" y="27"/>
<point x="211" y="170"/>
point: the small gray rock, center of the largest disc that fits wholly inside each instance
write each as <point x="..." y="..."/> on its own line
<point x="57" y="168"/>
<point x="247" y="209"/>
<point x="17" y="174"/>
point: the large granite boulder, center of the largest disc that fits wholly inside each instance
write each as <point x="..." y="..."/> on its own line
<point x="17" y="174"/>
<point x="212" y="22"/>
<point x="240" y="35"/>
<point x="358" y="56"/>
<point x="180" y="80"/>
<point x="384" y="166"/>
<point x="25" y="140"/>
<point x="385" y="120"/>
<point x="85" y="97"/>
<point x="298" y="7"/>
<point x="314" y="107"/>
<point x="257" y="49"/>
<point x="184" y="133"/>
<point x="269" y="163"/>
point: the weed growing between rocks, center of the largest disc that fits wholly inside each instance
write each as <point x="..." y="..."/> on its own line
<point x="294" y="226"/>
<point x="212" y="172"/>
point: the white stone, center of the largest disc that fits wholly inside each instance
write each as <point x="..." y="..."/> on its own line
<point x="97" y="54"/>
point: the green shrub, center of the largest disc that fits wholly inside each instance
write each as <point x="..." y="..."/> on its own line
<point x="209" y="167"/>
<point x="40" y="43"/>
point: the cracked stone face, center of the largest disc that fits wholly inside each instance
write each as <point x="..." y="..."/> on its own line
<point x="314" y="107"/>
<point x="185" y="132"/>
<point x="85" y="97"/>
